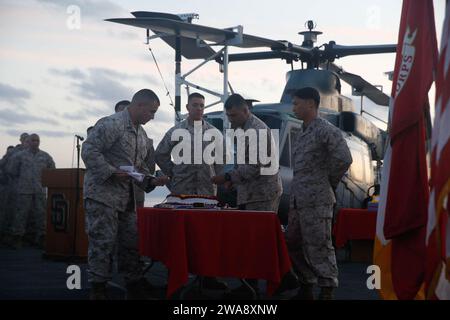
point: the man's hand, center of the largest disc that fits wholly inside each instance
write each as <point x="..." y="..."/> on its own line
<point x="160" y="181"/>
<point x="218" y="179"/>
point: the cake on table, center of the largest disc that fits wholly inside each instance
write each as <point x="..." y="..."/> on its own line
<point x="189" y="201"/>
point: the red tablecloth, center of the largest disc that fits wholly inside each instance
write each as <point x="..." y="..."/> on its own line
<point x="354" y="224"/>
<point x="241" y="244"/>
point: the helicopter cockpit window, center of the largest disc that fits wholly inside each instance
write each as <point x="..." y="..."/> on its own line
<point x="332" y="118"/>
<point x="369" y="174"/>
<point x="357" y="168"/>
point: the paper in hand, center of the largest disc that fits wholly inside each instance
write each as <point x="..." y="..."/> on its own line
<point x="131" y="171"/>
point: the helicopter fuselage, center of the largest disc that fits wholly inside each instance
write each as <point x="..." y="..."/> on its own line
<point x="364" y="140"/>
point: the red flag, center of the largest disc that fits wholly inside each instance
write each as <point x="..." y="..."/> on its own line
<point x="438" y="233"/>
<point x="407" y="196"/>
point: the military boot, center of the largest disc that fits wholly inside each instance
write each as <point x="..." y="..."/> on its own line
<point x="98" y="291"/>
<point x="212" y="283"/>
<point x="13" y="241"/>
<point x="243" y="291"/>
<point x="40" y="242"/>
<point x="139" y="290"/>
<point x="5" y="241"/>
<point x="326" y="293"/>
<point x="29" y="240"/>
<point x="304" y="293"/>
<point x="288" y="282"/>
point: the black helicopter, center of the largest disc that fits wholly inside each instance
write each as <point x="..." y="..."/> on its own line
<point x="365" y="140"/>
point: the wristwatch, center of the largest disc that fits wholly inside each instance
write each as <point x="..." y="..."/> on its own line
<point x="227" y="177"/>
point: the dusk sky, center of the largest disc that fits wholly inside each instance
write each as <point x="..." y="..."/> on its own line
<point x="57" y="80"/>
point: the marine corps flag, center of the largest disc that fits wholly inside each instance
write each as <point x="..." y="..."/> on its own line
<point x="438" y="227"/>
<point x="402" y="214"/>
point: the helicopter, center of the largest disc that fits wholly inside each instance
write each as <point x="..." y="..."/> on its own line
<point x="365" y="140"/>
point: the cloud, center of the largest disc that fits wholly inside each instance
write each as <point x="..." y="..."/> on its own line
<point x="92" y="9"/>
<point x="74" y="73"/>
<point x="125" y="35"/>
<point x="14" y="132"/>
<point x="54" y="134"/>
<point x="14" y="95"/>
<point x="87" y="113"/>
<point x="103" y="87"/>
<point x="101" y="84"/>
<point x="164" y="115"/>
<point x="10" y="117"/>
<point x="121" y="75"/>
<point x="74" y="116"/>
<point x="98" y="112"/>
<point x="41" y="133"/>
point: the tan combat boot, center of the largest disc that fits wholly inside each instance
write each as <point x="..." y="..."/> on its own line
<point x="98" y="291"/>
<point x="326" y="293"/>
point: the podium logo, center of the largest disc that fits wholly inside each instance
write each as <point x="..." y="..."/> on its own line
<point x="60" y="211"/>
<point x="74" y="280"/>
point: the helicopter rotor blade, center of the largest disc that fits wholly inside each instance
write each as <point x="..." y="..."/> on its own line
<point x="174" y="27"/>
<point x="359" y="85"/>
<point x="333" y="50"/>
<point x="251" y="56"/>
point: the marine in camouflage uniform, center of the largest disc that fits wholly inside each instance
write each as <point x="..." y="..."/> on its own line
<point x="5" y="186"/>
<point x="139" y="194"/>
<point x="187" y="178"/>
<point x="320" y="159"/>
<point x="116" y="140"/>
<point x="9" y="190"/>
<point x="30" y="204"/>
<point x="191" y="177"/>
<point x="255" y="191"/>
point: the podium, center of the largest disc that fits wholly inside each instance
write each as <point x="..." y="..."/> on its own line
<point x="66" y="237"/>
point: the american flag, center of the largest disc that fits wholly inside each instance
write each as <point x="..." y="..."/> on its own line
<point x="438" y="226"/>
<point x="402" y="213"/>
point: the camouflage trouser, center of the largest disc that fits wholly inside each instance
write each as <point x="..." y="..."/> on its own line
<point x="7" y="208"/>
<point x="309" y="242"/>
<point x="107" y="229"/>
<point x="29" y="216"/>
<point x="270" y="205"/>
<point x="4" y="211"/>
<point x="139" y="195"/>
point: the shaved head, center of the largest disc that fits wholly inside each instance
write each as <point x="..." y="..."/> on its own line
<point x="23" y="137"/>
<point x="143" y="107"/>
<point x="144" y="96"/>
<point x="121" y="105"/>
